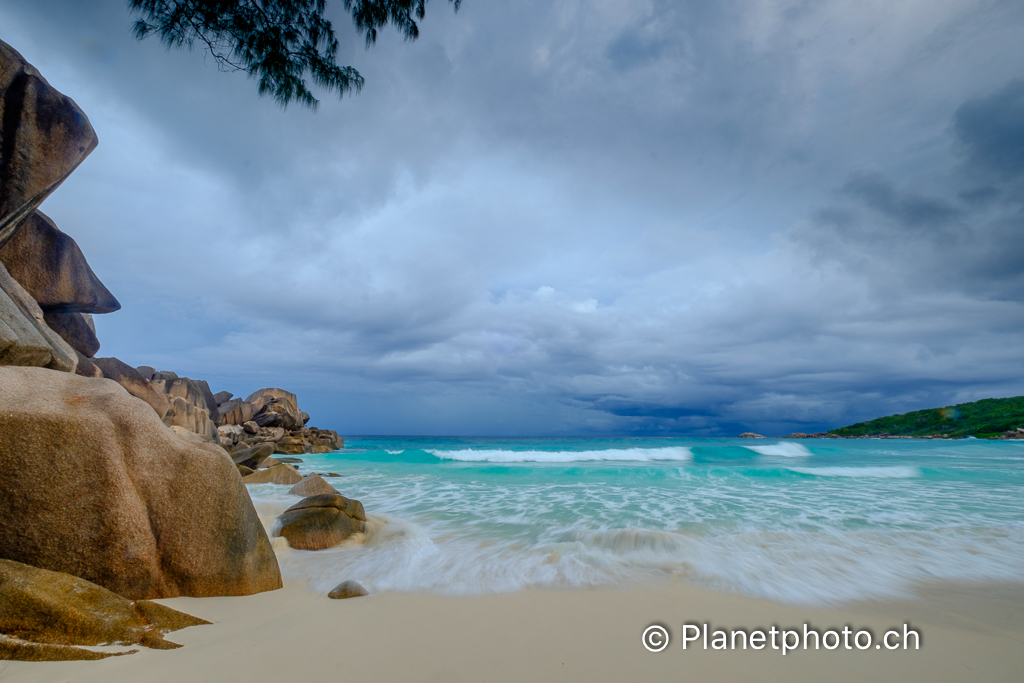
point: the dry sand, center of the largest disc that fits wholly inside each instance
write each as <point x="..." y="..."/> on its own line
<point x="969" y="633"/>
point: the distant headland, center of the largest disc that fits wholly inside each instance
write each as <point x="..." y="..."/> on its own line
<point x="990" y="418"/>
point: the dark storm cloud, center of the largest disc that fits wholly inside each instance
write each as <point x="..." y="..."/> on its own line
<point x="659" y="217"/>
<point x="990" y="131"/>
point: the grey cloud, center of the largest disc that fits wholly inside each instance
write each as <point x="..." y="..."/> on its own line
<point x="565" y="217"/>
<point x="990" y="131"/>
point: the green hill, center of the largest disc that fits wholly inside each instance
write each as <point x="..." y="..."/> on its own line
<point x="983" y="419"/>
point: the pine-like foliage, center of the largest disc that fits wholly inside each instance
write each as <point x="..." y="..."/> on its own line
<point x="276" y="42"/>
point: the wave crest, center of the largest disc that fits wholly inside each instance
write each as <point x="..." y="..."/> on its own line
<point x="677" y="453"/>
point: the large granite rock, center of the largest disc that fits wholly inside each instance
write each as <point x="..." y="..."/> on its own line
<point x="44" y="614"/>
<point x="93" y="484"/>
<point x="74" y="328"/>
<point x="278" y="474"/>
<point x="292" y="445"/>
<point x="274" y="407"/>
<point x="25" y="338"/>
<point x="133" y="382"/>
<point x="234" y="412"/>
<point x="43" y="137"/>
<point x="312" y="485"/>
<point x="322" y="521"/>
<point x="190" y="404"/>
<point x="85" y="367"/>
<point x="51" y="267"/>
<point x="252" y="457"/>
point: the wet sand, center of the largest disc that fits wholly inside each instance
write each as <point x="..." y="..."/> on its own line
<point x="968" y="633"/>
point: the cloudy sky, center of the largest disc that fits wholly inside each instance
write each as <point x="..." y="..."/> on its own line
<point x="601" y="217"/>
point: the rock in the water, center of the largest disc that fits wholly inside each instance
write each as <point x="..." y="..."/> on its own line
<point x="750" y="435"/>
<point x="38" y="606"/>
<point x="134" y="382"/>
<point x="25" y="338"/>
<point x="347" y="589"/>
<point x="350" y="506"/>
<point x="43" y="137"/>
<point x="278" y="474"/>
<point x="322" y="521"/>
<point x="244" y="471"/>
<point x="75" y="329"/>
<point x="252" y="457"/>
<point x="267" y="462"/>
<point x="51" y="267"/>
<point x="291" y="461"/>
<point x="312" y="485"/>
<point x="291" y="445"/>
<point x="92" y="483"/>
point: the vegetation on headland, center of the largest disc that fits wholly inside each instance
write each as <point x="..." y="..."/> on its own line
<point x="985" y="419"/>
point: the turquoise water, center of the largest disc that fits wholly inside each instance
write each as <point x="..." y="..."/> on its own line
<point x="812" y="522"/>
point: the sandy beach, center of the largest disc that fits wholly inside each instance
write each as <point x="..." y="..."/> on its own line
<point x="968" y="633"/>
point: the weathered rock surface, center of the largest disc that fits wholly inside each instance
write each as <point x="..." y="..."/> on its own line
<point x="252" y="457"/>
<point x="190" y="404"/>
<point x="234" y="412"/>
<point x="53" y="270"/>
<point x="74" y="328"/>
<point x="322" y="521"/>
<point x="43" y="137"/>
<point x="278" y="474"/>
<point x="39" y="607"/>
<point x="25" y="338"/>
<point x="750" y="435"/>
<point x="312" y="485"/>
<point x="134" y="383"/>
<point x="292" y="445"/>
<point x="86" y="368"/>
<point x="94" y="485"/>
<point x="347" y="589"/>
<point x="274" y="407"/>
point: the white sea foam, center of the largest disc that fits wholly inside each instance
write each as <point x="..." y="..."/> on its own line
<point x="860" y="527"/>
<point x="786" y="449"/>
<point x="894" y="472"/>
<point x="791" y="566"/>
<point x="678" y="453"/>
<point x="395" y="452"/>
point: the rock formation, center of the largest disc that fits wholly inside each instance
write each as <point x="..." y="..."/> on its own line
<point x="278" y="474"/>
<point x="44" y="614"/>
<point x="321" y="522"/>
<point x="51" y="267"/>
<point x="25" y="338"/>
<point x="312" y="485"/>
<point x="93" y="484"/>
<point x="47" y="289"/>
<point x="44" y="136"/>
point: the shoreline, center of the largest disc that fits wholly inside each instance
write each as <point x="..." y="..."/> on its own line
<point x="968" y="632"/>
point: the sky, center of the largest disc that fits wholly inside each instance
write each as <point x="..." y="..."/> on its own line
<point x="611" y="217"/>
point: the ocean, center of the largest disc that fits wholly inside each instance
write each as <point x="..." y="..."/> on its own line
<point x="816" y="522"/>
